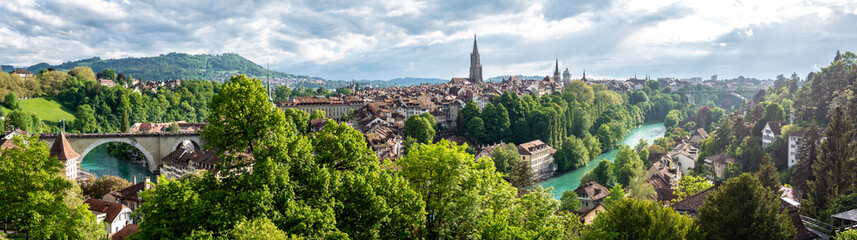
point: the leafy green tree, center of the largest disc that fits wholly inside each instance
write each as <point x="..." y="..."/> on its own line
<point x="690" y="185"/>
<point x="743" y="209"/>
<point x="496" y="120"/>
<point x="339" y="147"/>
<point x="257" y="229"/>
<point x="85" y="119"/>
<point x="521" y="175"/>
<point x="298" y="118"/>
<point x="242" y="120"/>
<point x="408" y="144"/>
<point x="573" y="154"/>
<point x="317" y="114"/>
<point x="773" y="112"/>
<point x="109" y="74"/>
<point x="282" y="93"/>
<point x="469" y="111"/>
<point x="11" y="101"/>
<point x="593" y="145"/>
<point x="458" y="192"/>
<point x="582" y="92"/>
<point x="344" y="91"/>
<point x="420" y="128"/>
<point x="626" y="165"/>
<point x="83" y="73"/>
<point x="98" y="187"/>
<point x="750" y="155"/>
<point x="38" y="199"/>
<point x="617" y="194"/>
<point x="52" y="81"/>
<point x="603" y="174"/>
<point x="639" y="219"/>
<point x="476" y="129"/>
<point x="25" y="121"/>
<point x="534" y="215"/>
<point x="847" y="235"/>
<point x="505" y="157"/>
<point x="569" y="201"/>
<point x="673" y="118"/>
<point x="605" y="137"/>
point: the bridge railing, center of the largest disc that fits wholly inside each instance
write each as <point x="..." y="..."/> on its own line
<point x="108" y="135"/>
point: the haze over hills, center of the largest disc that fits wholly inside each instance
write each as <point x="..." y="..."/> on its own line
<point x="212" y="67"/>
<point x="174" y="66"/>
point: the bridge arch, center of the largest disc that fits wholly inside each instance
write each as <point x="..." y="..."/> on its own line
<point x="153" y="166"/>
<point x="195" y="141"/>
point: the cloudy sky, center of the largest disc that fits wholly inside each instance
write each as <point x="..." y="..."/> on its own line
<point x="383" y="39"/>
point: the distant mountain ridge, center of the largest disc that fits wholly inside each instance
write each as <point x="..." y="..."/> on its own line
<point x="174" y="66"/>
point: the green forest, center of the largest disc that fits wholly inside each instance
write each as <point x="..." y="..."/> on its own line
<point x="172" y="66"/>
<point x="824" y="108"/>
<point x="97" y="108"/>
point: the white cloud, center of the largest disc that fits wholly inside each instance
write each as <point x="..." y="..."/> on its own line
<point x="422" y="38"/>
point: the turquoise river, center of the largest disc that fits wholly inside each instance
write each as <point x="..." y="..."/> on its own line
<point x="570" y="180"/>
<point x="99" y="162"/>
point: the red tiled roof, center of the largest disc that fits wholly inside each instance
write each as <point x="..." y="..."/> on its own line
<point x="62" y="150"/>
<point x="592" y="189"/>
<point x="694" y="202"/>
<point x="111" y="209"/>
<point x="125" y="232"/>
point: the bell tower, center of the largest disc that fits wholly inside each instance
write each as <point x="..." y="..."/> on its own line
<point x="475" y="65"/>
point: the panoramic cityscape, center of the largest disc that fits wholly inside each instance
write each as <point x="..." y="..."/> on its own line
<point x="618" y="119"/>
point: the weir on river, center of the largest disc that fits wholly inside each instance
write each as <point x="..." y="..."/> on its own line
<point x="570" y="180"/>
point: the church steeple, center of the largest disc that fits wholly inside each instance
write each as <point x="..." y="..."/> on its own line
<point x="475" y="64"/>
<point x="584" y="75"/>
<point x="475" y="49"/>
<point x="556" y="70"/>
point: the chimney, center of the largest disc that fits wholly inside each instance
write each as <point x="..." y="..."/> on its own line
<point x="135" y="180"/>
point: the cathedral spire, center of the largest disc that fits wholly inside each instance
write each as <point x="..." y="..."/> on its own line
<point x="556" y="70"/>
<point x="475" y="64"/>
<point x="475" y="49"/>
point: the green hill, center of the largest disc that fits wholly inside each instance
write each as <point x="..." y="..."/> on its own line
<point x="49" y="111"/>
<point x="173" y="66"/>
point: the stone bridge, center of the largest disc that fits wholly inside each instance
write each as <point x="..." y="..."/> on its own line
<point x="154" y="146"/>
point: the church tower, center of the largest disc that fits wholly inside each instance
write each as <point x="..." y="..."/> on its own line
<point x="475" y="65"/>
<point x="566" y="75"/>
<point x="556" y="71"/>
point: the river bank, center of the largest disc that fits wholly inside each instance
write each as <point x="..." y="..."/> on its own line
<point x="571" y="179"/>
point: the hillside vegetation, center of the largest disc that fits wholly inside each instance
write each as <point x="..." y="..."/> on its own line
<point x="172" y="66"/>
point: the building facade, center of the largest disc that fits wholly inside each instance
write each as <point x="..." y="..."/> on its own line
<point x="540" y="157"/>
<point x="333" y="108"/>
<point x="591" y="194"/>
<point x="115" y="216"/>
<point x="771" y="132"/>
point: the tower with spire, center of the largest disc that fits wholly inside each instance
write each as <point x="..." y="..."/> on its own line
<point x="584" y="75"/>
<point x="475" y="64"/>
<point x="62" y="150"/>
<point x="556" y="70"/>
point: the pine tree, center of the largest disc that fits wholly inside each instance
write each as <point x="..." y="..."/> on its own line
<point x="767" y="174"/>
<point x="834" y="165"/>
<point x="806" y="158"/>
